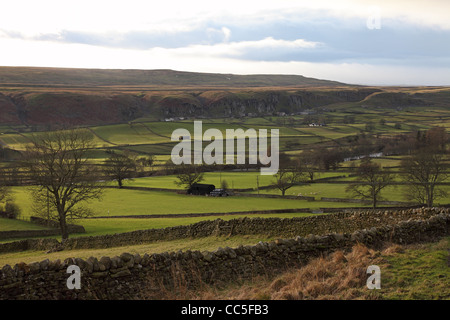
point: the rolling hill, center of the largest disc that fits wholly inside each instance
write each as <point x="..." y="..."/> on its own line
<point x="33" y="76"/>
<point x="48" y="96"/>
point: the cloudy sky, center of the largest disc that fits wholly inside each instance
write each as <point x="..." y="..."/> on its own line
<point x="402" y="42"/>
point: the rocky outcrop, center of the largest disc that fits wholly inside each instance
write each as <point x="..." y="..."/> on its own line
<point x="257" y="103"/>
<point x="96" y="107"/>
<point x="69" y="108"/>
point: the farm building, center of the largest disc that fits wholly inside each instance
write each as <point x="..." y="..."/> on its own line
<point x="201" y="189"/>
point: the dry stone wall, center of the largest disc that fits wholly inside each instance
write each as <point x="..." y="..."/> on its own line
<point x="134" y="276"/>
<point x="339" y="222"/>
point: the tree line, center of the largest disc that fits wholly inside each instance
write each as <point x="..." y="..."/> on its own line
<point x="423" y="169"/>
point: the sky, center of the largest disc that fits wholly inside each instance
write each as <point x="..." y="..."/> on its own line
<point x="402" y="42"/>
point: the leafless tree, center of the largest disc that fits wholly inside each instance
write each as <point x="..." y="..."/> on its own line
<point x="4" y="190"/>
<point x="287" y="177"/>
<point x="4" y="193"/>
<point x="188" y="175"/>
<point x="423" y="172"/>
<point x="371" y="180"/>
<point x="308" y="161"/>
<point x="10" y="209"/>
<point x="145" y="162"/>
<point x="121" y="166"/>
<point x="57" y="163"/>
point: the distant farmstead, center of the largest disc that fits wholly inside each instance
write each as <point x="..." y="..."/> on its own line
<point x="316" y="124"/>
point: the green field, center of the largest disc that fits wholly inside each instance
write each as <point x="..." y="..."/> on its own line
<point x="331" y="190"/>
<point x="146" y="136"/>
<point x="124" y="202"/>
<point x="235" y="180"/>
<point x="125" y="134"/>
<point x="14" y="224"/>
<point x="154" y="137"/>
<point x="418" y="273"/>
<point x="318" y="189"/>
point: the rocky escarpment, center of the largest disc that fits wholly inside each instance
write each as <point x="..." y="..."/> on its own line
<point x="257" y="103"/>
<point x="96" y="107"/>
<point x="68" y="108"/>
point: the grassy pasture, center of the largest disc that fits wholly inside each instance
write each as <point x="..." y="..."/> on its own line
<point x="154" y="136"/>
<point x="19" y="141"/>
<point x="125" y="134"/>
<point x="135" y="202"/>
<point x="330" y="190"/>
<point x="126" y="202"/>
<point x="337" y="190"/>
<point x="14" y="224"/>
<point x="383" y="162"/>
<point x="160" y="149"/>
<point x="420" y="272"/>
<point x="235" y="179"/>
<point x="14" y="141"/>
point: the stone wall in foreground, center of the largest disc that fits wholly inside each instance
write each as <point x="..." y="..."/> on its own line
<point x="134" y="276"/>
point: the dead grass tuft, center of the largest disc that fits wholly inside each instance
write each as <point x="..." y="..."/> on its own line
<point x="340" y="275"/>
<point x="393" y="249"/>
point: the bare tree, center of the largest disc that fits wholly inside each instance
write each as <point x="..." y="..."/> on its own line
<point x="371" y="180"/>
<point x="436" y="138"/>
<point x="327" y="159"/>
<point x="57" y="163"/>
<point x="4" y="197"/>
<point x="145" y="162"/>
<point x="286" y="178"/>
<point x="188" y="175"/>
<point x="423" y="172"/>
<point x="10" y="209"/>
<point x="308" y="161"/>
<point x="121" y="166"/>
<point x="4" y="189"/>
